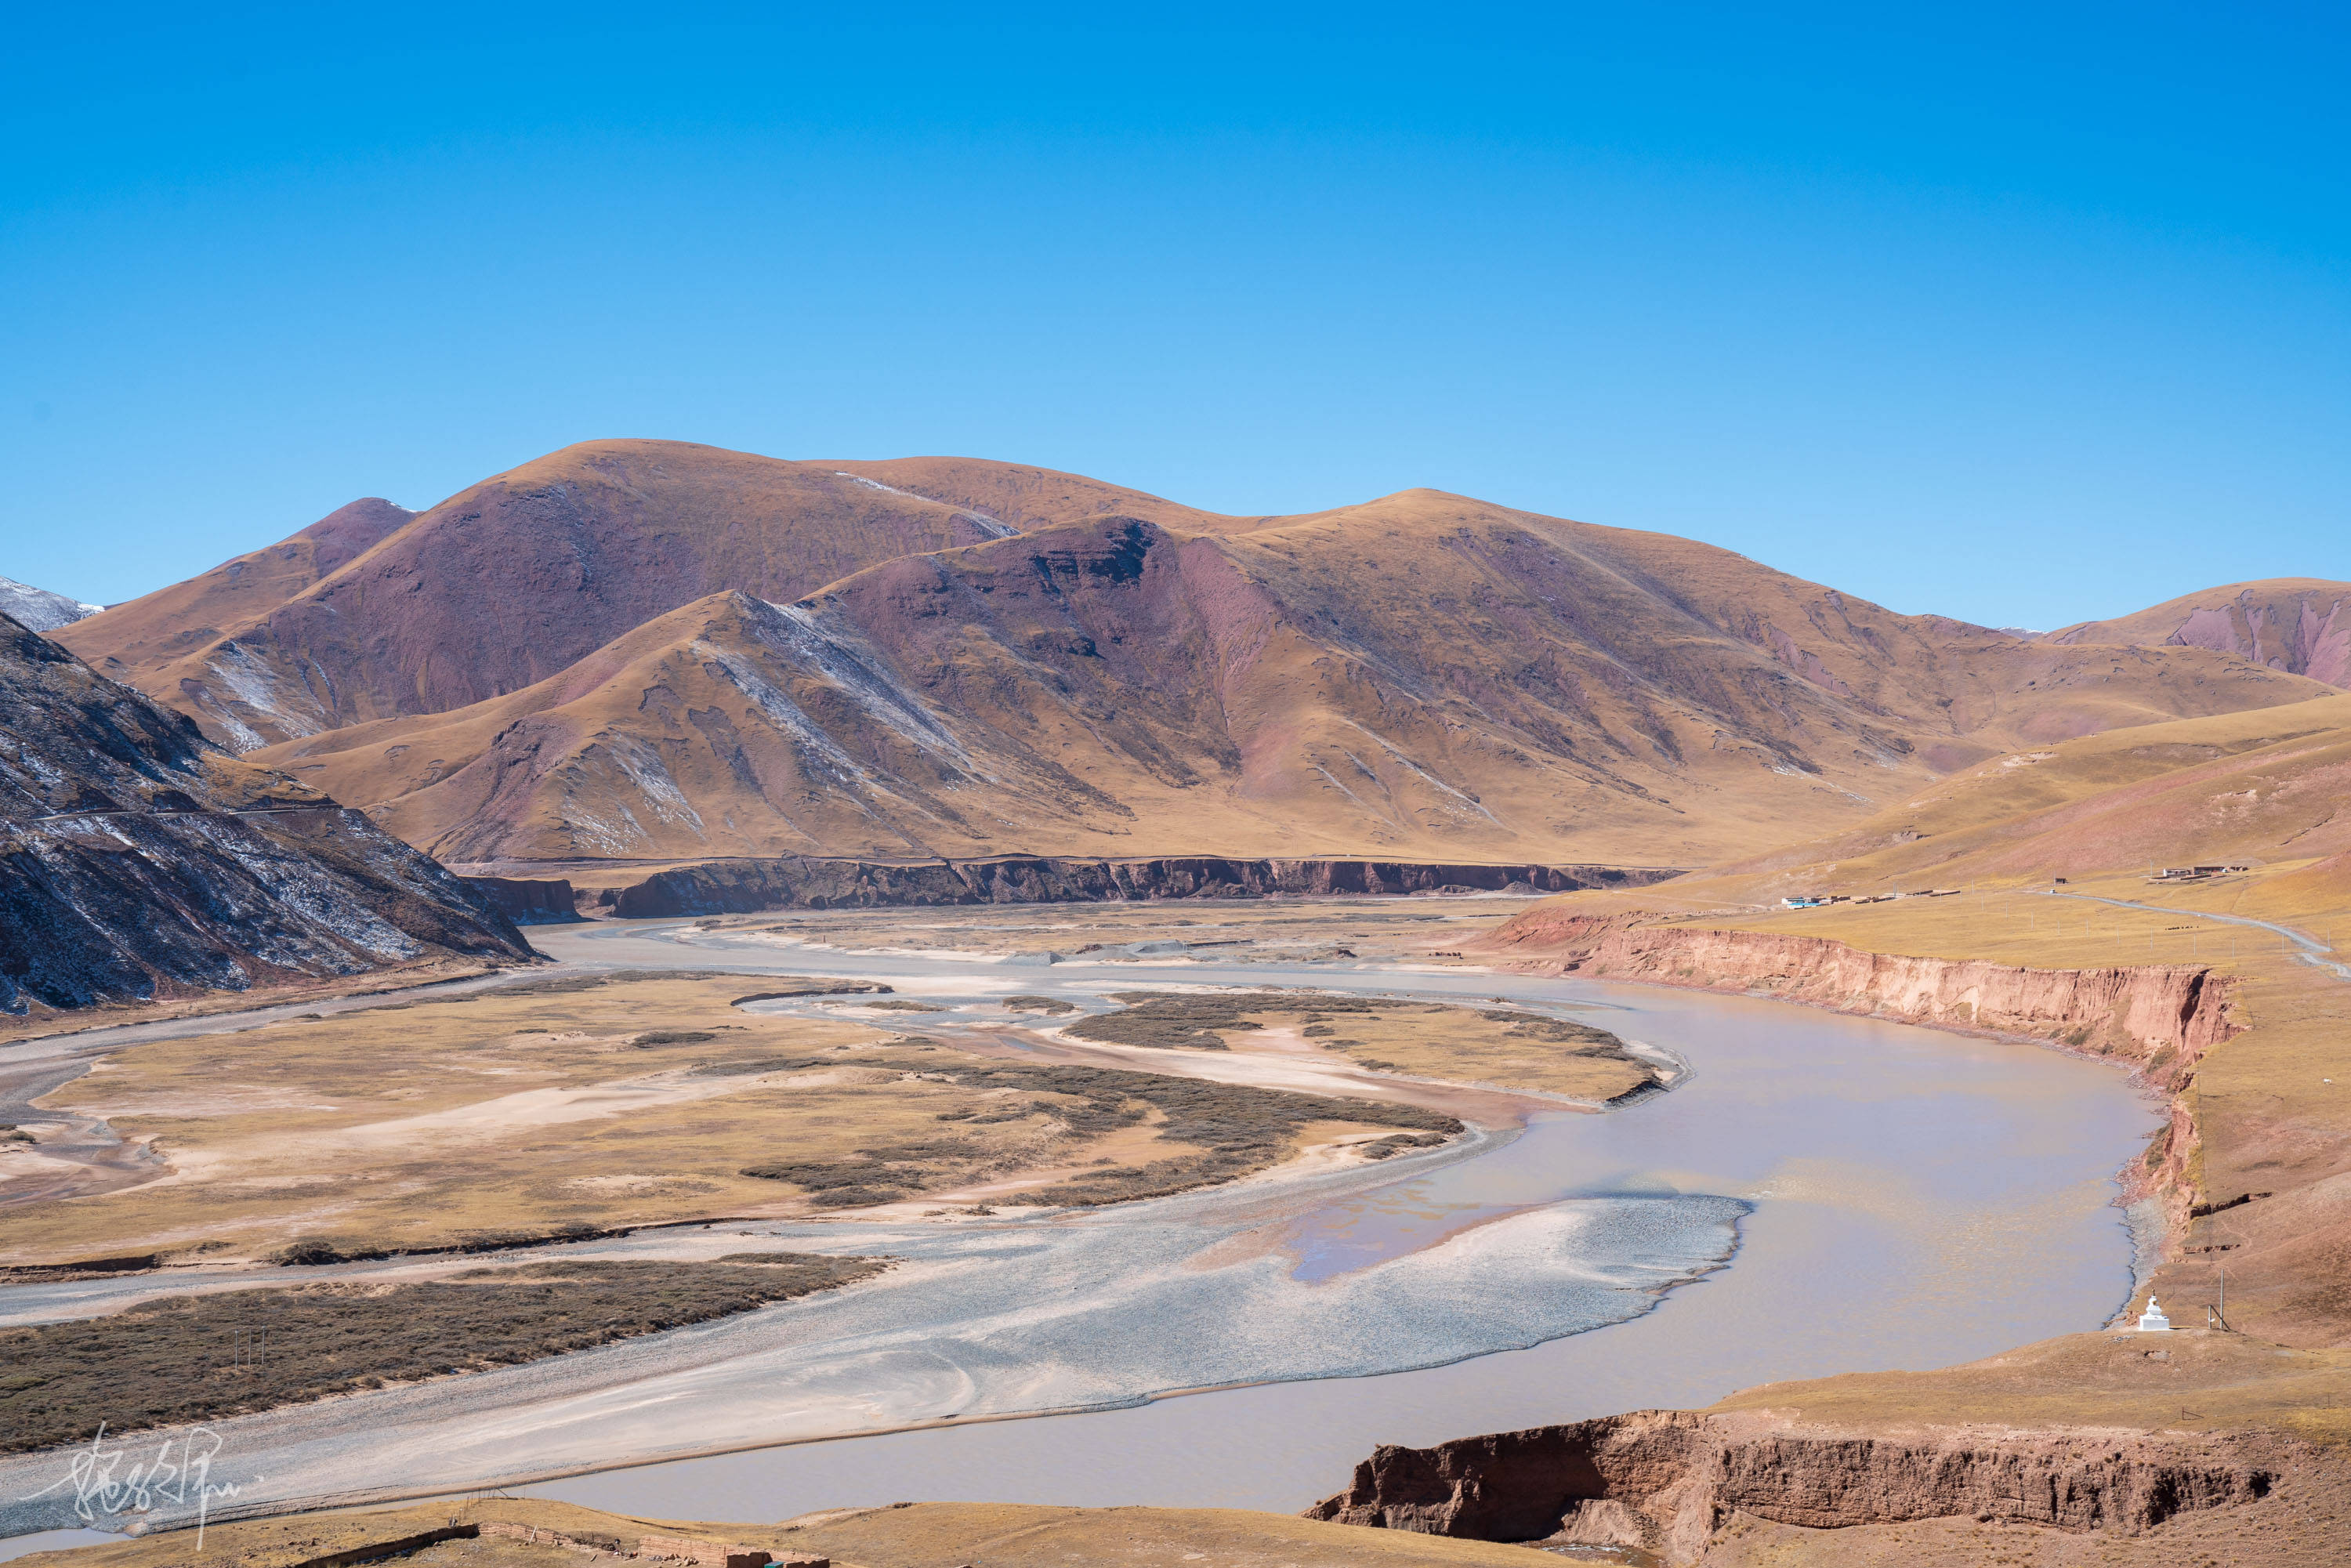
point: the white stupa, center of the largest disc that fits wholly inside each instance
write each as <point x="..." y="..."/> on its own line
<point x="2152" y="1321"/>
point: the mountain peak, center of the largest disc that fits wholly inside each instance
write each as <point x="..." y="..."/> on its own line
<point x="2300" y="625"/>
<point x="40" y="609"/>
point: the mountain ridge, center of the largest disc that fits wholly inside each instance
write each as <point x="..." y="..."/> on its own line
<point x="2298" y="624"/>
<point x="511" y="580"/>
<point x="658" y="650"/>
<point x="155" y="629"/>
<point x="1423" y="675"/>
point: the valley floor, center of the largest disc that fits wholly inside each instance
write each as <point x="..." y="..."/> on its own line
<point x="549" y="1081"/>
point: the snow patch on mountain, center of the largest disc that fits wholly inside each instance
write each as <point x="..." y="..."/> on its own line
<point x="39" y="609"/>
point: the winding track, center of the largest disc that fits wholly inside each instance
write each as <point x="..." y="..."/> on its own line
<point x="2307" y="948"/>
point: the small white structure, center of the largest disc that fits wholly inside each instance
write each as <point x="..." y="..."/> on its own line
<point x="2152" y="1321"/>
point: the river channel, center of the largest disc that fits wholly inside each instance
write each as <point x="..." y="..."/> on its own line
<point x="1818" y="1194"/>
<point x="1911" y="1198"/>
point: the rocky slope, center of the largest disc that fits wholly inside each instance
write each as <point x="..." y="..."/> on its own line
<point x="2298" y="624"/>
<point x="1666" y="1481"/>
<point x="1425" y="677"/>
<point x="39" y="609"/>
<point x="137" y="860"/>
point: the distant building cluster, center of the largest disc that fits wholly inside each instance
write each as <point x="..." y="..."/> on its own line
<point x="1817" y="900"/>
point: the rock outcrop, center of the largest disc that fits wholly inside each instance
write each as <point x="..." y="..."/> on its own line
<point x="1665" y="1480"/>
<point x="530" y="901"/>
<point x="736" y="887"/>
<point x="2161" y="1017"/>
<point x="137" y="860"/>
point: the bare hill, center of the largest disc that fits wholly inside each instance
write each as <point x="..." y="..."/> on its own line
<point x="507" y="584"/>
<point x="138" y="861"/>
<point x="134" y="640"/>
<point x="2299" y="625"/>
<point x="1425" y="675"/>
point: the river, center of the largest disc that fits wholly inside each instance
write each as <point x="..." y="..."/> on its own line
<point x="1819" y="1193"/>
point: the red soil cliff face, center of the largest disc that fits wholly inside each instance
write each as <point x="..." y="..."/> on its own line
<point x="1665" y="1480"/>
<point x="2163" y="1018"/>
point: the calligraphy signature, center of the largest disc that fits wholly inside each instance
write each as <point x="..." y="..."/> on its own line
<point x="103" y="1486"/>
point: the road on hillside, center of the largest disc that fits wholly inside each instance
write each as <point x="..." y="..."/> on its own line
<point x="2307" y="948"/>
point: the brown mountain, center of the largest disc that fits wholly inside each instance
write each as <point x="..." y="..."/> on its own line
<point x="137" y="860"/>
<point x="505" y="584"/>
<point x="1425" y="675"/>
<point x="2299" y="625"/>
<point x="134" y="640"/>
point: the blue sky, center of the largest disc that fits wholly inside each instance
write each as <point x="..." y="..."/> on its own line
<point x="2021" y="315"/>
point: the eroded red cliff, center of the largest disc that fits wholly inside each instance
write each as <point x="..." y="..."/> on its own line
<point x="1665" y="1480"/>
<point x="2162" y="1018"/>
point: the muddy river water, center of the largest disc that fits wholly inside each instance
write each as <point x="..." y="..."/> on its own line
<point x="1818" y="1194"/>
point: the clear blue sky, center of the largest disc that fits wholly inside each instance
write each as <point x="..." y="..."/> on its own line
<point x="2021" y="314"/>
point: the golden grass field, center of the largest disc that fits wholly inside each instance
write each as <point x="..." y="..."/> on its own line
<point x="523" y="1111"/>
<point x="2196" y="1384"/>
<point x="2263" y="785"/>
<point x="920" y="1535"/>
<point x="2204" y="1381"/>
<point x="1488" y="1047"/>
<point x="1243" y="930"/>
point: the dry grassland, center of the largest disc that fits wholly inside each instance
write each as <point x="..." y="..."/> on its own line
<point x="446" y="1123"/>
<point x="2190" y="1380"/>
<point x="917" y="1535"/>
<point x="2186" y="1383"/>
<point x="1017" y="1535"/>
<point x="2262" y="786"/>
<point x="562" y="1107"/>
<point x="2027" y="927"/>
<point x="1504" y="1048"/>
<point x="199" y="1358"/>
<point x="40" y="1020"/>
